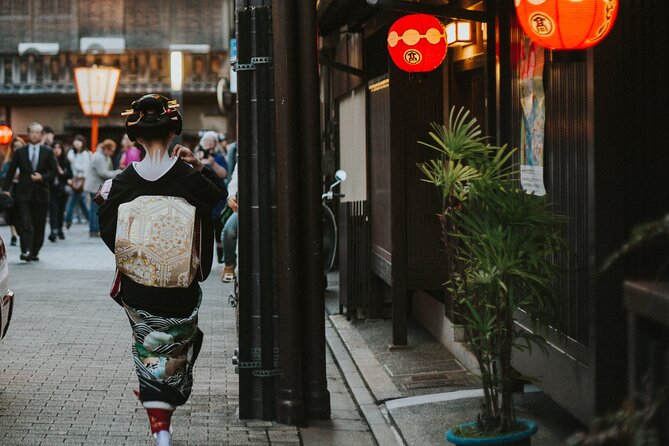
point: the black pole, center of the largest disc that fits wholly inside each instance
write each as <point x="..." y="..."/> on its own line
<point x="492" y="85"/>
<point x="290" y="403"/>
<point x="264" y="151"/>
<point x="504" y="12"/>
<point x="256" y="361"/>
<point x="316" y="395"/>
<point x="244" y="143"/>
<point x="179" y="97"/>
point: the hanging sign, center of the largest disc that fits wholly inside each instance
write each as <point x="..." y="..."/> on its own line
<point x="533" y="121"/>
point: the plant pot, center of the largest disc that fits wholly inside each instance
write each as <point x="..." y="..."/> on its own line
<point x="515" y="439"/>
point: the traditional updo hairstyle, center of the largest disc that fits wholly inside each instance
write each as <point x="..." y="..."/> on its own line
<point x="152" y="117"/>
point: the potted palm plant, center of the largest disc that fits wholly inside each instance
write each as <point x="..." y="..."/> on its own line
<point x="499" y="242"/>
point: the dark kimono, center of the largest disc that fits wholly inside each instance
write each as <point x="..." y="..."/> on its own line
<point x="166" y="337"/>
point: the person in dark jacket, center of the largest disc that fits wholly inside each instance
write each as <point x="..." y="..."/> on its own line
<point x="166" y="337"/>
<point x="37" y="167"/>
<point x="58" y="198"/>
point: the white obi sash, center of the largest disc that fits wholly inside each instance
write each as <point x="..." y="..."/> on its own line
<point x="158" y="241"/>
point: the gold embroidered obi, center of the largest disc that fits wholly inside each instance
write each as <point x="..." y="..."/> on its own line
<point x="155" y="241"/>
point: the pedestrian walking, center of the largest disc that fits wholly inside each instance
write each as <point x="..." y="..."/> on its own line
<point x="129" y="152"/>
<point x="231" y="159"/>
<point x="58" y="198"/>
<point x="37" y="166"/>
<point x="79" y="157"/>
<point x="99" y="170"/>
<point x="164" y="320"/>
<point x="211" y="153"/>
<point x="229" y="234"/>
<point x="11" y="212"/>
<point x="48" y="136"/>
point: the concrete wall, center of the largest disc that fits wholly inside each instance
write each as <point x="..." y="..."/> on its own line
<point x="353" y="145"/>
<point x="573" y="374"/>
<point x="431" y="314"/>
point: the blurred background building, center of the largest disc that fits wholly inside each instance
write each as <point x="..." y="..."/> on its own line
<point x="44" y="40"/>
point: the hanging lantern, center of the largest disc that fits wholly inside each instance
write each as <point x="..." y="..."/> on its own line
<point x="416" y="43"/>
<point x="566" y="24"/>
<point x="5" y="134"/>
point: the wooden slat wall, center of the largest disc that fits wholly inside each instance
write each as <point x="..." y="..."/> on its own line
<point x="418" y="103"/>
<point x="565" y="177"/>
<point x="566" y="181"/>
<point x="354" y="260"/>
<point x="630" y="71"/>
<point x="379" y="173"/>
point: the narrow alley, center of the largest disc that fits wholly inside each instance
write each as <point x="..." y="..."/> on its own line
<point x="66" y="374"/>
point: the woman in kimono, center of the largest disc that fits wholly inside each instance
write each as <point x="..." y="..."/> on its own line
<point x="166" y="338"/>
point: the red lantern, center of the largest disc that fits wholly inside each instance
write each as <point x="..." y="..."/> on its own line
<point x="566" y="24"/>
<point x="416" y="43"/>
<point x="5" y="134"/>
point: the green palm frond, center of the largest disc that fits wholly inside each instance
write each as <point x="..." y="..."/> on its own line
<point x="461" y="140"/>
<point x="641" y="235"/>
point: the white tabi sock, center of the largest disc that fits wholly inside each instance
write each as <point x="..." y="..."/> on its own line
<point x="163" y="438"/>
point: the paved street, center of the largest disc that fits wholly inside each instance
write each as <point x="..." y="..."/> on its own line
<point x="66" y="373"/>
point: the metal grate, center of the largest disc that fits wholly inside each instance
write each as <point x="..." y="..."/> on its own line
<point x="354" y="261"/>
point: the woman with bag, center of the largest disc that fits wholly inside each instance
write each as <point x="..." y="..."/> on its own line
<point x="79" y="158"/>
<point x="159" y="292"/>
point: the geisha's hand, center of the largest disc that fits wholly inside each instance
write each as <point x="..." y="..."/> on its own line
<point x="104" y="190"/>
<point x="186" y="154"/>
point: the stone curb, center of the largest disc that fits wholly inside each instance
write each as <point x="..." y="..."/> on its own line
<point x="384" y="433"/>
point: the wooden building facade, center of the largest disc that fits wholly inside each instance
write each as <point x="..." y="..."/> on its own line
<point x="43" y="41"/>
<point x="606" y="167"/>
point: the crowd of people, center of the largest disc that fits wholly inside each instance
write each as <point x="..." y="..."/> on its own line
<point x="51" y="180"/>
<point x="150" y="179"/>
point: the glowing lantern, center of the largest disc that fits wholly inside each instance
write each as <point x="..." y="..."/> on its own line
<point x="96" y="87"/>
<point x="416" y="43"/>
<point x="566" y="24"/>
<point x="5" y="134"/>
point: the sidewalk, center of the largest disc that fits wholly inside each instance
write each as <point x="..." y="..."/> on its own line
<point x="66" y="375"/>
<point x="421" y="390"/>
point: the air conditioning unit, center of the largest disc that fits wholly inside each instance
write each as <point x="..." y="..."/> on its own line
<point x="108" y="45"/>
<point x="38" y="47"/>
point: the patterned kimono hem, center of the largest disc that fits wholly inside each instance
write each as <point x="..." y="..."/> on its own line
<point x="164" y="351"/>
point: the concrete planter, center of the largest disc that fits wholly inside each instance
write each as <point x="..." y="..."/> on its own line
<point x="516" y="439"/>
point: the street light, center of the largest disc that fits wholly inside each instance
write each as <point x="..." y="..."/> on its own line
<point x="96" y="88"/>
<point x="177" y="80"/>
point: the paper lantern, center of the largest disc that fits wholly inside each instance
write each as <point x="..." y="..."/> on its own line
<point x="566" y="24"/>
<point x="96" y="88"/>
<point x="5" y="134"/>
<point x="416" y="43"/>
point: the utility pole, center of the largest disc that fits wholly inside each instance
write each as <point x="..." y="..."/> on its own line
<point x="281" y="303"/>
<point x="258" y="353"/>
<point x="302" y="388"/>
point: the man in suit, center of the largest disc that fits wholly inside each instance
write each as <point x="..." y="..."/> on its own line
<point x="37" y="168"/>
